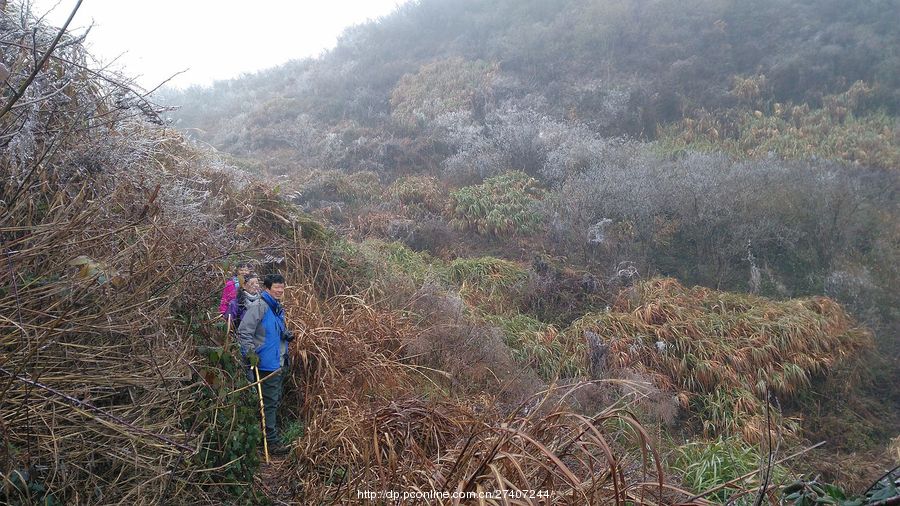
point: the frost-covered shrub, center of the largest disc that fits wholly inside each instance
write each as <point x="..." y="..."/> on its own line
<point x="601" y="104"/>
<point x="516" y="137"/>
<point x="846" y="285"/>
<point x="475" y="155"/>
<point x="525" y="136"/>
<point x="581" y="149"/>
<point x="694" y="217"/>
<point x="598" y="232"/>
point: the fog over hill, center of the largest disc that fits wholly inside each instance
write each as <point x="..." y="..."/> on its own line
<point x="555" y="252"/>
<point x="616" y="67"/>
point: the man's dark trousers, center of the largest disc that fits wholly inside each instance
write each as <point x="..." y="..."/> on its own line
<point x="271" y="391"/>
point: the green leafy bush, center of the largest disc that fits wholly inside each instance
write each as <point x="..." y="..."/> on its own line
<point x="394" y="262"/>
<point x="292" y="431"/>
<point x="503" y="205"/>
<point x="487" y="281"/>
<point x="804" y="492"/>
<point x="232" y="423"/>
<point x="703" y="465"/>
<point x="539" y="345"/>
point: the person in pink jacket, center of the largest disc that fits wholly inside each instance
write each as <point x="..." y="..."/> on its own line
<point x="248" y="294"/>
<point x="232" y="286"/>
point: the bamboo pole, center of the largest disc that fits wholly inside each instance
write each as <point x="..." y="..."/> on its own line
<point x="262" y="413"/>
<point x="227" y="333"/>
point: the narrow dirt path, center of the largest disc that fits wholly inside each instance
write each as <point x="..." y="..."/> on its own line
<point x="271" y="480"/>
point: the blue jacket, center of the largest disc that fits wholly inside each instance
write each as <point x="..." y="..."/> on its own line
<point x="262" y="330"/>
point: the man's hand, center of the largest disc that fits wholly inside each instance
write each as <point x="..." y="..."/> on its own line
<point x="253" y="359"/>
<point x="288" y="335"/>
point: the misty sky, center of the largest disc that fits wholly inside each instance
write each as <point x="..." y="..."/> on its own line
<point x="217" y="39"/>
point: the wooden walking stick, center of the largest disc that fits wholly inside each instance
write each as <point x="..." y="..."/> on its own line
<point x="227" y="332"/>
<point x="262" y="413"/>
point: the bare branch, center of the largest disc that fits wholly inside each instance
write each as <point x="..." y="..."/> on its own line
<point x="38" y="67"/>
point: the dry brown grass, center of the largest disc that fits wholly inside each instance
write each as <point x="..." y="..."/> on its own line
<point x="720" y="352"/>
<point x="111" y="232"/>
<point x="377" y="419"/>
<point x="96" y="374"/>
<point x="100" y="377"/>
<point x="112" y="228"/>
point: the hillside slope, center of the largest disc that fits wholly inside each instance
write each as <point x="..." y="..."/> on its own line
<point x="800" y="96"/>
<point x="742" y="147"/>
<point x="618" y="67"/>
<point x="566" y="371"/>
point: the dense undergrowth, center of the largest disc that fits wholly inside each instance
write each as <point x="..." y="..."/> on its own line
<point x="796" y="197"/>
<point x="496" y="167"/>
<point x="724" y="353"/>
<point x="112" y="229"/>
<point x="456" y="332"/>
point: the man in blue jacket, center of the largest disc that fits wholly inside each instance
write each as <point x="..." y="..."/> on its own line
<point x="264" y="340"/>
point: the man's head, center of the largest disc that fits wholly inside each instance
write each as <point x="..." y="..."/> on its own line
<point x="274" y="284"/>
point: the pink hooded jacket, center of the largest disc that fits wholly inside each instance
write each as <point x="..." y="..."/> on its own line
<point x="228" y="294"/>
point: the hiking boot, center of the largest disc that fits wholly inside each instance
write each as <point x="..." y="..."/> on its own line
<point x="279" y="449"/>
